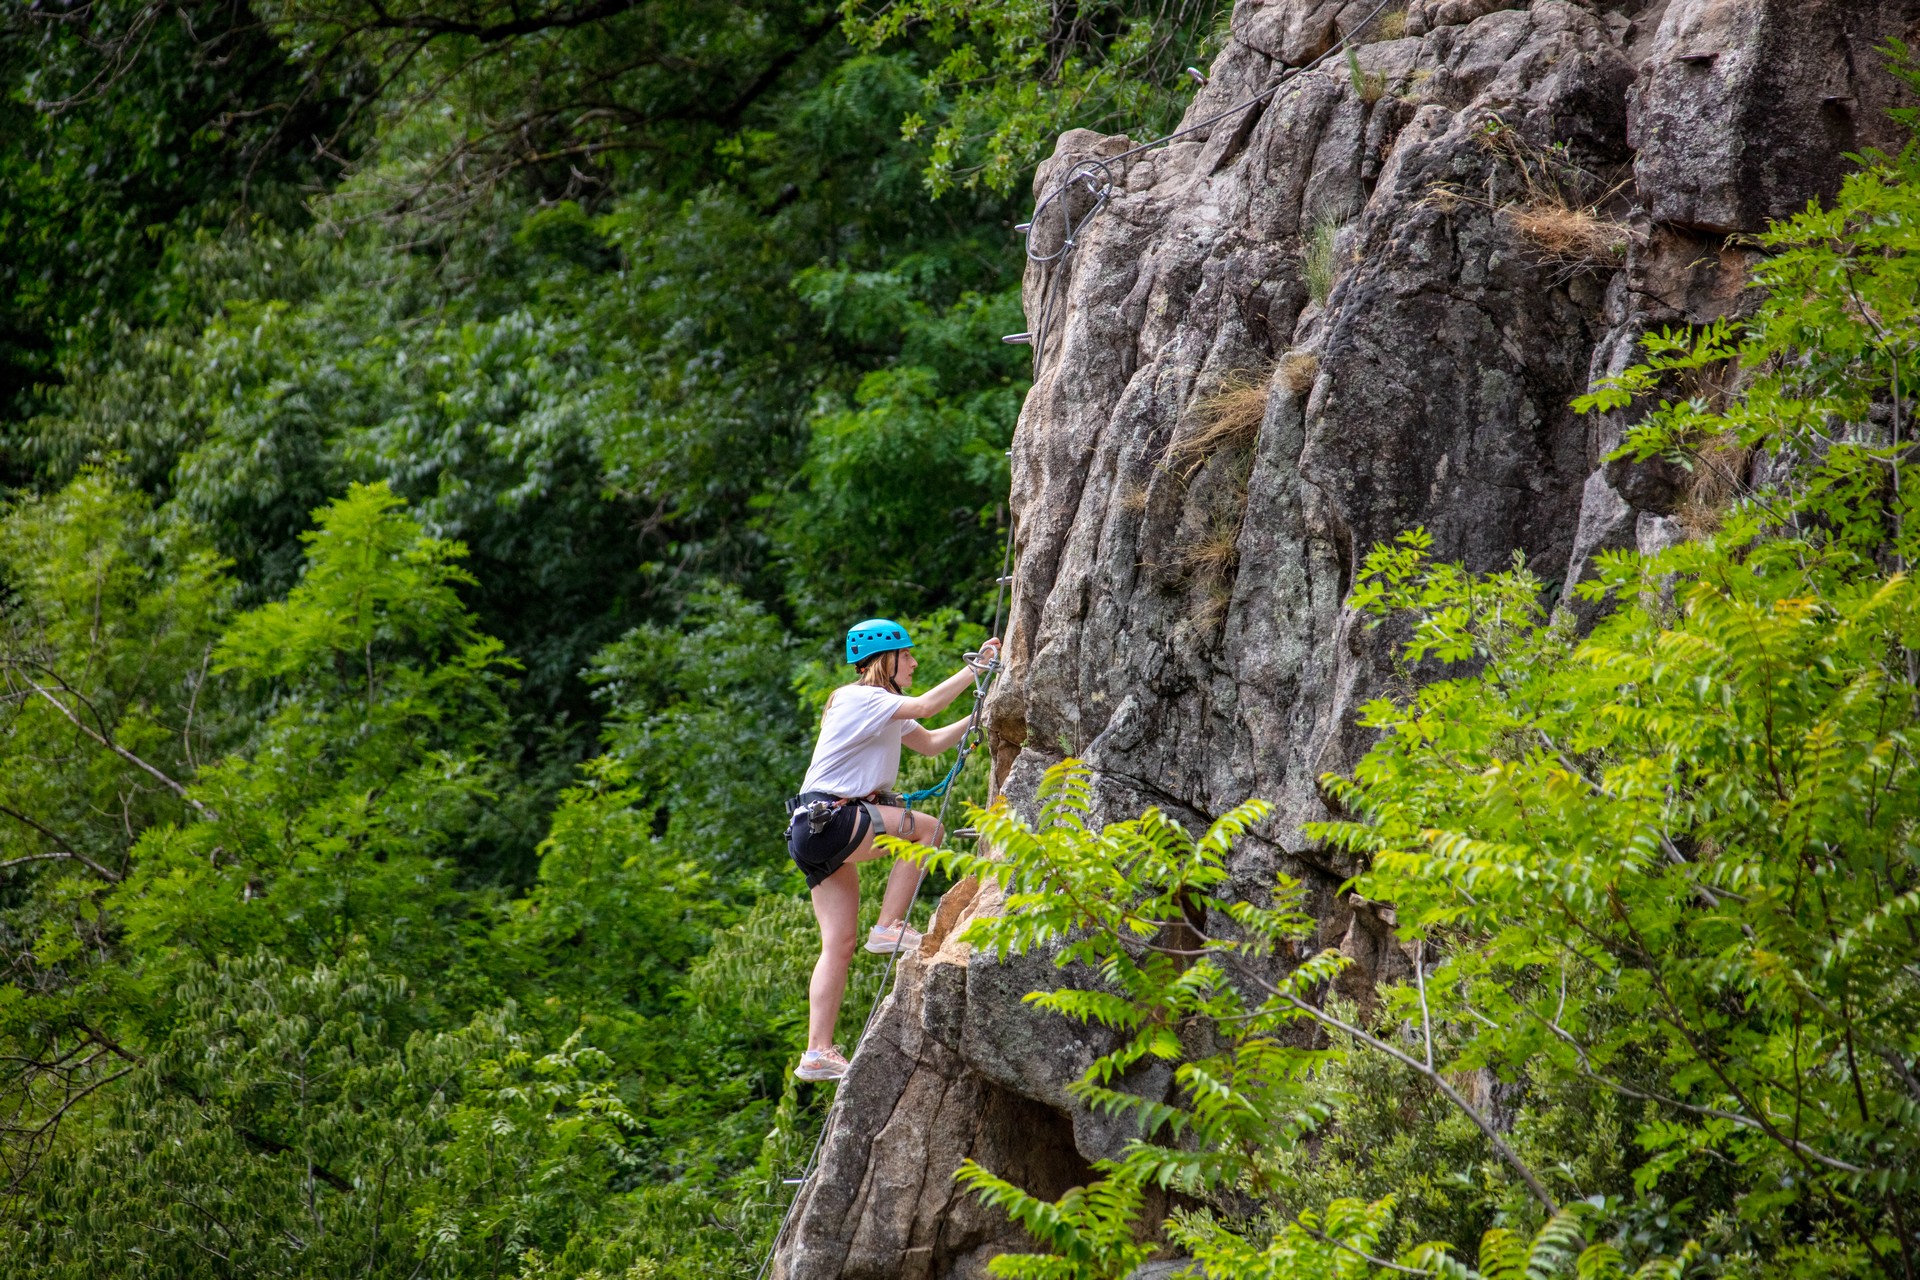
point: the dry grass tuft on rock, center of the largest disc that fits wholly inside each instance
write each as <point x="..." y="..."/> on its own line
<point x="1565" y="234"/>
<point x="1228" y="419"/>
<point x="1559" y="208"/>
<point x="1719" y="478"/>
<point x="1298" y="369"/>
<point x="1212" y="556"/>
<point x="1390" y="25"/>
<point x="1208" y="562"/>
<point x="1212" y="610"/>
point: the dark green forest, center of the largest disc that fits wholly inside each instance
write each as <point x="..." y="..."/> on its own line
<point x="445" y="442"/>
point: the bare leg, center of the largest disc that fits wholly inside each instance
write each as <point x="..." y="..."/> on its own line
<point x="904" y="877"/>
<point x="836" y="905"/>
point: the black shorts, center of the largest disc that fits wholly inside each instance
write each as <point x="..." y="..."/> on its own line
<point x="819" y="856"/>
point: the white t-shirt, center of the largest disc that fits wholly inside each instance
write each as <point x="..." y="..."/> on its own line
<point x="859" y="747"/>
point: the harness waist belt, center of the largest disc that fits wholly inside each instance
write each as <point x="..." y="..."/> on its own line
<point x="797" y="805"/>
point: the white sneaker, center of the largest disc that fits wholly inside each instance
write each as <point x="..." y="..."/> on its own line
<point x="820" y="1064"/>
<point x="885" y="938"/>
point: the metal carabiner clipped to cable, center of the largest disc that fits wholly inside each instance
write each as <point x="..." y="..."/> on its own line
<point x="975" y="658"/>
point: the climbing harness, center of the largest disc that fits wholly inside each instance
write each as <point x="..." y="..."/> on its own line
<point x="1096" y="178"/>
<point x="818" y="813"/>
<point x="818" y="807"/>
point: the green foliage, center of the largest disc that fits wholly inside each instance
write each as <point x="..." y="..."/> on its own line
<point x="369" y="769"/>
<point x="607" y="883"/>
<point x="104" y="641"/>
<point x="1014" y="76"/>
<point x="243" y="1131"/>
<point x="1338" y="1245"/>
<point x="1658" y="884"/>
<point x="1396" y="1135"/>
<point x="1177" y="973"/>
<point x="1320" y="261"/>
<point x="302" y="1098"/>
<point x="1706" y="806"/>
<point x="1090" y="1229"/>
<point x="758" y="971"/>
<point x="533" y="1144"/>
<point x="1698" y="806"/>
<point x="1118" y="902"/>
<point x="610" y="408"/>
<point x="109" y="620"/>
<point x="127" y="124"/>
<point x="376" y="593"/>
<point x="308" y="1119"/>
<point x="854" y="531"/>
<point x="706" y="723"/>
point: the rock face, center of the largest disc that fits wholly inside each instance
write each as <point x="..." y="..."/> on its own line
<point x="1421" y="264"/>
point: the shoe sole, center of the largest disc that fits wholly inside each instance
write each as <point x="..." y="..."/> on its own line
<point x="888" y="948"/>
<point x="817" y="1077"/>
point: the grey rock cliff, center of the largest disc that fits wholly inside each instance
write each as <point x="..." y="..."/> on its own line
<point x="1177" y="606"/>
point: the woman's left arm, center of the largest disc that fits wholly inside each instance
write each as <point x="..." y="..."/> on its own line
<point x="931" y="742"/>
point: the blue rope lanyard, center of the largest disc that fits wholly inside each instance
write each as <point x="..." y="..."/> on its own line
<point x="968" y="741"/>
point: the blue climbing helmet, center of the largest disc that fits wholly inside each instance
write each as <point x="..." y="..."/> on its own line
<point x="875" y="635"/>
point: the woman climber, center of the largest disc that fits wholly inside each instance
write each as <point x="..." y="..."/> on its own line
<point x="843" y="806"/>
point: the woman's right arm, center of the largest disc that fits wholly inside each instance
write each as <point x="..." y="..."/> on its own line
<point x="941" y="696"/>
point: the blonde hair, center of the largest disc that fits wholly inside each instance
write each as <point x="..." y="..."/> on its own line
<point x="882" y="671"/>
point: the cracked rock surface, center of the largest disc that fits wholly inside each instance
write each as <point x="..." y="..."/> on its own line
<point x="1355" y="246"/>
